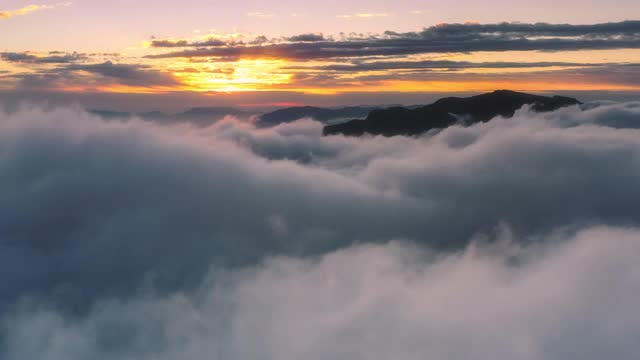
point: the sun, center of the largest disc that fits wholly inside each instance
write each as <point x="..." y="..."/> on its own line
<point x="240" y="75"/>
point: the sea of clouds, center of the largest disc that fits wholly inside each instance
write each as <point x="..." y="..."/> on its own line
<point x="514" y="239"/>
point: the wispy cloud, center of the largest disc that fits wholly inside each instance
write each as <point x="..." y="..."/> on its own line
<point x="185" y="43"/>
<point x="7" y="14"/>
<point x="260" y="14"/>
<point x="362" y="15"/>
<point x="51" y="58"/>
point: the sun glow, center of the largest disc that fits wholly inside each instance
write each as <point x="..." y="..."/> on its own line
<point x="242" y="75"/>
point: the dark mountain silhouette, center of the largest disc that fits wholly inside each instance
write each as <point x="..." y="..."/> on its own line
<point x="321" y="114"/>
<point x="446" y="112"/>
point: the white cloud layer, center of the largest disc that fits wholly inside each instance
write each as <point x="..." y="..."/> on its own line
<point x="132" y="240"/>
<point x="577" y="300"/>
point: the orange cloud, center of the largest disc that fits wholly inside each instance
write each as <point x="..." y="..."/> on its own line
<point x="7" y="14"/>
<point x="463" y="86"/>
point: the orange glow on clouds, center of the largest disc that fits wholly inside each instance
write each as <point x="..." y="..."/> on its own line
<point x="247" y="83"/>
<point x="469" y="86"/>
<point x="242" y="75"/>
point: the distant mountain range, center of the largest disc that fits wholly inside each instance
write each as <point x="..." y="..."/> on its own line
<point x="381" y="120"/>
<point x="205" y="116"/>
<point x="446" y="112"/>
<point x="325" y="115"/>
<point x="201" y="116"/>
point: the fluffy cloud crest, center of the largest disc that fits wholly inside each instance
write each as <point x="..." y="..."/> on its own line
<point x="576" y="300"/>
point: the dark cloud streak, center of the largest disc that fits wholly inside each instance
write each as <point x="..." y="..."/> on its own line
<point x="439" y="39"/>
<point x="129" y="74"/>
<point x="52" y="58"/>
<point x="185" y="43"/>
<point x="102" y="74"/>
<point x="306" y="38"/>
<point x="435" y="64"/>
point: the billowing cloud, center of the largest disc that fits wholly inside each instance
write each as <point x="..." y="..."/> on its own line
<point x="515" y="238"/>
<point x="576" y="299"/>
<point x="156" y="184"/>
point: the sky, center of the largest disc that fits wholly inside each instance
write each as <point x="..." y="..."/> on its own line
<point x="146" y="236"/>
<point x="259" y="53"/>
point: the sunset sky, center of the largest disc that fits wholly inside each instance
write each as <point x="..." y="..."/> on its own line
<point x="319" y="179"/>
<point x="172" y="54"/>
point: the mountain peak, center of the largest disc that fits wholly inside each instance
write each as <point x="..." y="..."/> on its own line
<point x="445" y="112"/>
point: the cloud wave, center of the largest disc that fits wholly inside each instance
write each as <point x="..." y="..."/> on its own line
<point x="140" y="240"/>
<point x="576" y="300"/>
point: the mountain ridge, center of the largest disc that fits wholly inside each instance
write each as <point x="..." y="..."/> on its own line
<point x="446" y="112"/>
